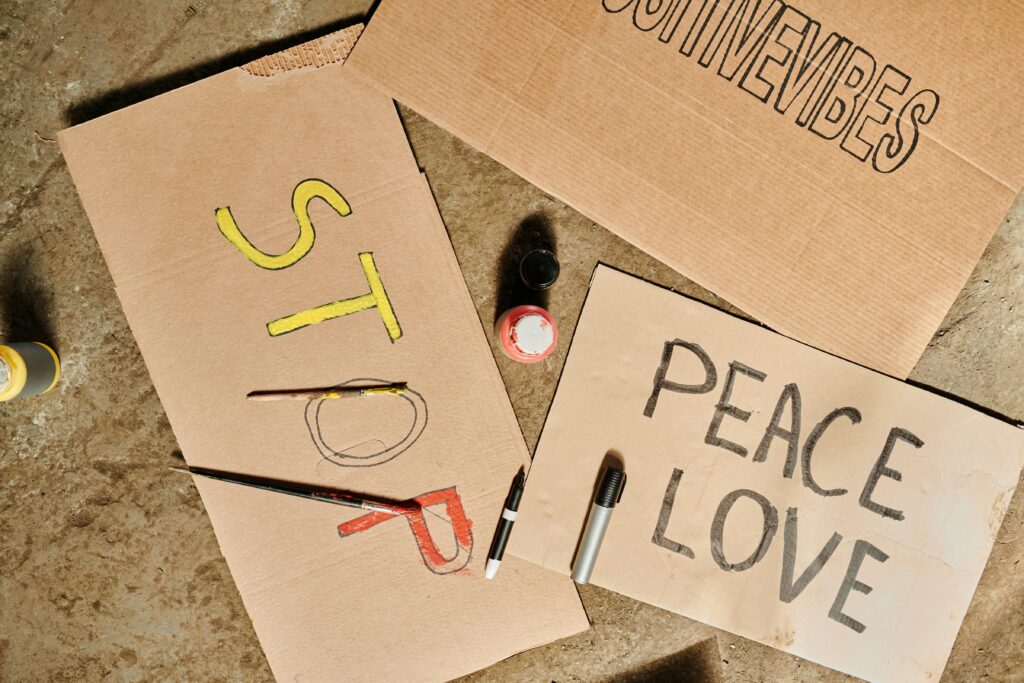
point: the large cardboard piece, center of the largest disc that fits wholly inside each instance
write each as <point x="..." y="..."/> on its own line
<point x="853" y="534"/>
<point x="329" y="212"/>
<point x="713" y="134"/>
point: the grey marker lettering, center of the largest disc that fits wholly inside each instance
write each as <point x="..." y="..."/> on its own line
<point x="723" y="408"/>
<point x="771" y="523"/>
<point x="790" y="394"/>
<point x="788" y="590"/>
<point x="880" y="470"/>
<point x="812" y="441"/>
<point x="861" y="549"/>
<point x="665" y="514"/>
<point x="710" y="374"/>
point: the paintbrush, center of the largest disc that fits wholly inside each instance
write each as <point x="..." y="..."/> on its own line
<point x="335" y="496"/>
<point x="327" y="392"/>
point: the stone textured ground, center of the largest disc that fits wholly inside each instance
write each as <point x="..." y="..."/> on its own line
<point x="109" y="570"/>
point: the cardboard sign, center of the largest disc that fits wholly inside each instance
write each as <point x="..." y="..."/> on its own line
<point x="268" y="228"/>
<point x="772" y="490"/>
<point x="834" y="169"/>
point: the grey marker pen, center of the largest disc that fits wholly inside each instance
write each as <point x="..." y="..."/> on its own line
<point x="609" y="491"/>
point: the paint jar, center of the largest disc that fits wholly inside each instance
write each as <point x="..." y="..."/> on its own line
<point x="27" y="369"/>
<point x="539" y="269"/>
<point x="527" y="334"/>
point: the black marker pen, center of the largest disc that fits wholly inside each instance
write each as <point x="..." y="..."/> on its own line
<point x="608" y="494"/>
<point x="504" y="530"/>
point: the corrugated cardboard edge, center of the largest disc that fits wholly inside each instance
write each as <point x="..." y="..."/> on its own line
<point x="332" y="48"/>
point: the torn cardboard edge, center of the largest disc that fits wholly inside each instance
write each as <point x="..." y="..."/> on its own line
<point x="328" y="49"/>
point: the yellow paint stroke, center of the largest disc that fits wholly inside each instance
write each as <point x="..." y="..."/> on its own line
<point x="304" y="193"/>
<point x="385" y="390"/>
<point x="365" y="391"/>
<point x="376" y="298"/>
<point x="387" y="313"/>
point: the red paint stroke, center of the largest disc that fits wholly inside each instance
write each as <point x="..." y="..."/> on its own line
<point x="413" y="513"/>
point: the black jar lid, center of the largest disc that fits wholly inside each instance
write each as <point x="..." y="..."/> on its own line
<point x="539" y="269"/>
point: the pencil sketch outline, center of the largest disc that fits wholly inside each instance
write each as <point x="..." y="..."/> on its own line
<point x="387" y="453"/>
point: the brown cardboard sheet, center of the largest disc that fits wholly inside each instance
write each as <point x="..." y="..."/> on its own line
<point x="833" y="169"/>
<point x="223" y="209"/>
<point x="772" y="490"/>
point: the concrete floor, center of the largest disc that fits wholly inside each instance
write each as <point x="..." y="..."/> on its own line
<point x="109" y="569"/>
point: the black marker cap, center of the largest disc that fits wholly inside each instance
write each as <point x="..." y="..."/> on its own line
<point x="539" y="269"/>
<point x="515" y="494"/>
<point x="610" y="490"/>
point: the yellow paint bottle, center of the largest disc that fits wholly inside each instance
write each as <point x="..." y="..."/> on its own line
<point x="27" y="369"/>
